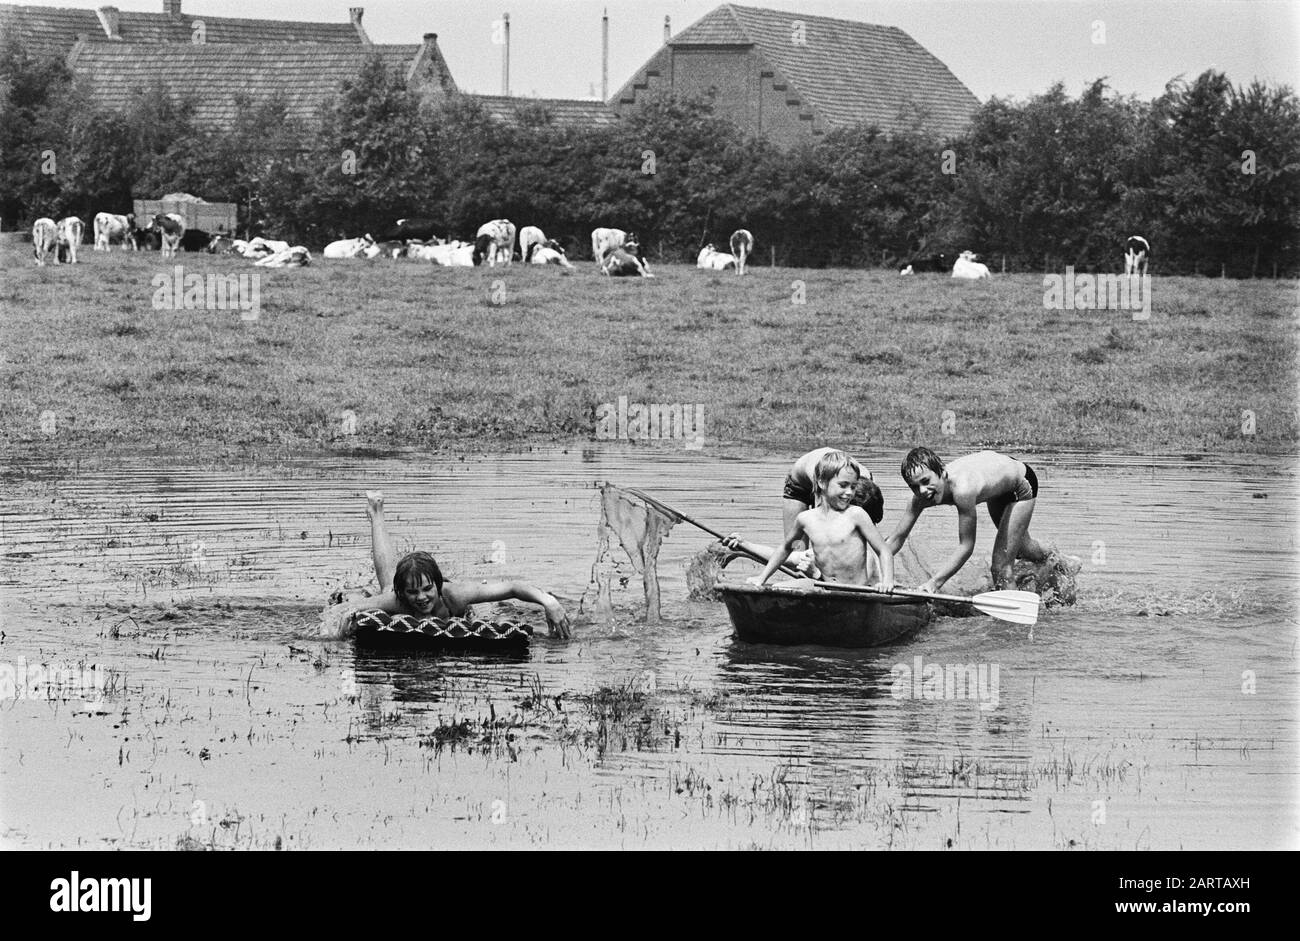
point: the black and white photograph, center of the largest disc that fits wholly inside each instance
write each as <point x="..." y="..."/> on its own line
<point x="619" y="426"/>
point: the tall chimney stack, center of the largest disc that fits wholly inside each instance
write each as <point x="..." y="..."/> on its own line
<point x="668" y="29"/>
<point x="604" y="56"/>
<point x="505" y="60"/>
<point x="110" y="19"/>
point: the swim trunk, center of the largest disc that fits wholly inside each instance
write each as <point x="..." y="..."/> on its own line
<point x="795" y="490"/>
<point x="1027" y="489"/>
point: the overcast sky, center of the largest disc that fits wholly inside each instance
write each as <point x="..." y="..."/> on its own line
<point x="1011" y="48"/>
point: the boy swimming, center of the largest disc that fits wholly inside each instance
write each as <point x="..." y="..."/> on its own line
<point x="1008" y="486"/>
<point x="415" y="586"/>
<point x="837" y="531"/>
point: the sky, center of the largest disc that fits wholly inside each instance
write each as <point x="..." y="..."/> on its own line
<point x="1003" y="48"/>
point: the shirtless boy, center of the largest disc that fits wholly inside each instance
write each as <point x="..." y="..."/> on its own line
<point x="1008" y="486"/>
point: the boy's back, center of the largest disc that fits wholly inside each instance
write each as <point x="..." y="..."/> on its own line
<point x="984" y="475"/>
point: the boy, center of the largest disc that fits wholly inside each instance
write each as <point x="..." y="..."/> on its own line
<point x="837" y="531"/>
<point x="1008" y="486"/>
<point x="800" y="489"/>
<point x="415" y="586"/>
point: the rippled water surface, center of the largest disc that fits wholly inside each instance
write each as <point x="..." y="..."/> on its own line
<point x="1158" y="712"/>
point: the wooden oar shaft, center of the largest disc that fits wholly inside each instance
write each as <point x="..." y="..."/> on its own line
<point x="986" y="599"/>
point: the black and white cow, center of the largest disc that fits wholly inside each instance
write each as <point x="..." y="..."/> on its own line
<point x="45" y="240"/>
<point x="742" y="243"/>
<point x="71" y="232"/>
<point x="110" y="228"/>
<point x="407" y="230"/>
<point x="171" y="229"/>
<point x="149" y="239"/>
<point x="1137" y="253"/>
<point x="625" y="261"/>
<point x="495" y="242"/>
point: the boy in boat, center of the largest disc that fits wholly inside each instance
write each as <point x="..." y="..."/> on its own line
<point x="837" y="531"/>
<point x="800" y="490"/>
<point x="1008" y="486"/>
<point x="415" y="586"/>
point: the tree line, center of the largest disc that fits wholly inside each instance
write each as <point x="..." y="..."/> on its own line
<point x="1208" y="172"/>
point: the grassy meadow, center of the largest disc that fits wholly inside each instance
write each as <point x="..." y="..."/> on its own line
<point x="380" y="356"/>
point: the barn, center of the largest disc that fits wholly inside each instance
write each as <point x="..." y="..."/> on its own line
<point x="791" y="77"/>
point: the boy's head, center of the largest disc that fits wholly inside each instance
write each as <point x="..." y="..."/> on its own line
<point x="830" y="466"/>
<point x="923" y="471"/>
<point x="868" y="496"/>
<point x="417" y="580"/>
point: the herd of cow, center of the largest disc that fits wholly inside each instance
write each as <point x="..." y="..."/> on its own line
<point x="1137" y="254"/>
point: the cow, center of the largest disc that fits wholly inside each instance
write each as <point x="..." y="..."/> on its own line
<point x="967" y="268"/>
<point x="407" y="230"/>
<point x="71" y="232"/>
<point x="171" y="229"/>
<point x="529" y="237"/>
<point x="549" y="254"/>
<point x="742" y="243"/>
<point x="45" y="240"/>
<point x="110" y="228"/>
<point x="495" y="241"/>
<point x="295" y="257"/>
<point x="450" y="255"/>
<point x="714" y="260"/>
<point x="261" y="246"/>
<point x="604" y="241"/>
<point x="347" y="248"/>
<point x="937" y="261"/>
<point x="195" y="240"/>
<point x="1137" y="253"/>
<point x="625" y="261"/>
<point x="387" y="249"/>
<point x="145" y="239"/>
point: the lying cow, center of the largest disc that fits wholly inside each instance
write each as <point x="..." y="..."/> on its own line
<point x="295" y="257"/>
<point x="714" y="260"/>
<point x="937" y="261"/>
<point x="604" y="241"/>
<point x="495" y="242"/>
<point x="530" y="236"/>
<point x="110" y="229"/>
<point x="1137" y="253"/>
<point x="742" y="243"/>
<point x="171" y="229"/>
<point x="387" y="249"/>
<point x="625" y="261"/>
<point x="549" y="254"/>
<point x="45" y="240"/>
<point x="347" y="248"/>
<point x="71" y="232"/>
<point x="967" y="268"/>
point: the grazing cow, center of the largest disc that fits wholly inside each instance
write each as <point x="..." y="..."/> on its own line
<point x="195" y="240"/>
<point x="408" y="230"/>
<point x="714" y="260"/>
<point x="549" y="254"/>
<point x="110" y="228"/>
<point x="1137" y="252"/>
<point x="347" y="248"/>
<point x="625" y="261"/>
<point x="938" y="261"/>
<point x="529" y="237"/>
<point x="451" y="255"/>
<point x="296" y="257"/>
<point x="387" y="249"/>
<point x="71" y="231"/>
<point x="45" y="240"/>
<point x="742" y="243"/>
<point x="171" y="228"/>
<point x="495" y="242"/>
<point x="968" y="268"/>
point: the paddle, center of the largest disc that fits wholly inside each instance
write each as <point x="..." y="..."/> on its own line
<point x="1018" y="607"/>
<point x="683" y="518"/>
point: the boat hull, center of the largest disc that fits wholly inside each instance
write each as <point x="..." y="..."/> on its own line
<point x="767" y="615"/>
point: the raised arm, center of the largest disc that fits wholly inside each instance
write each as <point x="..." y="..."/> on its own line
<point x="467" y="593"/>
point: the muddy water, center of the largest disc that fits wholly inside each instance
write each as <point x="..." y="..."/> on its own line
<point x="1159" y="712"/>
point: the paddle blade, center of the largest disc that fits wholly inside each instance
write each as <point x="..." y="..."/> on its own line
<point x="1018" y="607"/>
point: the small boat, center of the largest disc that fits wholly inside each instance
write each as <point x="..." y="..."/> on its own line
<point x="803" y="614"/>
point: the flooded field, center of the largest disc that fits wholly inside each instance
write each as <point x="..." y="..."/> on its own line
<point x="192" y="708"/>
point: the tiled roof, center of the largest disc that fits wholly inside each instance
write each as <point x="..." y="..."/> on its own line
<point x="54" y="30"/>
<point x="849" y="72"/>
<point x="560" y="112"/>
<point x="302" y="74"/>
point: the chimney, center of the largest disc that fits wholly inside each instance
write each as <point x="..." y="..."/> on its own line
<point x="505" y="61"/>
<point x="417" y="75"/>
<point x="111" y="21"/>
<point x="668" y="29"/>
<point x="355" y="13"/>
<point x="604" y="56"/>
<point x="172" y="8"/>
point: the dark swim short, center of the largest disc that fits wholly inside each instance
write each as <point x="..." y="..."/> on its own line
<point x="1027" y="490"/>
<point x="794" y="490"/>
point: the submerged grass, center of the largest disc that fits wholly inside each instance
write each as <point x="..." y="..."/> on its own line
<point x="422" y="359"/>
